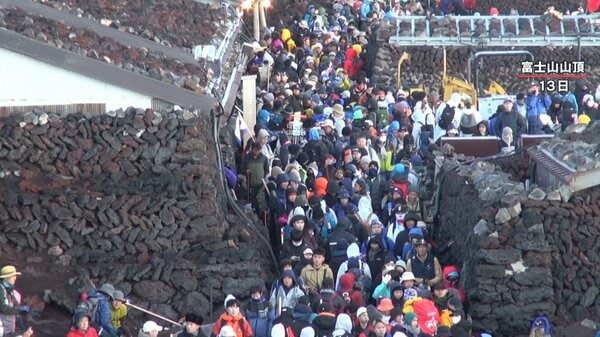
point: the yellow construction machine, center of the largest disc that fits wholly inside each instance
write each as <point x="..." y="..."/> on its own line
<point x="450" y="84"/>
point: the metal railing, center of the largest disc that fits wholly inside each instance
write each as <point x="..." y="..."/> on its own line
<point x="530" y="30"/>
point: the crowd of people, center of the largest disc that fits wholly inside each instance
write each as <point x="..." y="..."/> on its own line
<point x="335" y="168"/>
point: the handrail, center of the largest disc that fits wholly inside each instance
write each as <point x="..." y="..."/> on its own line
<point x="581" y="25"/>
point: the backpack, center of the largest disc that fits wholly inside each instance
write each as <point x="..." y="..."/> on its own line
<point x="428" y="315"/>
<point x="447" y="117"/>
<point x="87" y="307"/>
<point x="383" y="117"/>
<point x="542" y="320"/>
<point x="357" y="266"/>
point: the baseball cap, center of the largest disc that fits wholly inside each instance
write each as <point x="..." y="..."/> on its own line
<point x="151" y="326"/>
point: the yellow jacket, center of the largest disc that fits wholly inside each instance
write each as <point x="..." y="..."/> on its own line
<point x="286" y="38"/>
<point x="117" y="315"/>
<point x="445" y="318"/>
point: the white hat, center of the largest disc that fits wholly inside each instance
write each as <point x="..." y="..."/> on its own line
<point x="227" y="299"/>
<point x="307" y="251"/>
<point x="361" y="311"/>
<point x="227" y="331"/>
<point x="151" y="326"/>
<point x="407" y="276"/>
<point x="278" y="330"/>
<point x="421" y="224"/>
<point x="329" y="123"/>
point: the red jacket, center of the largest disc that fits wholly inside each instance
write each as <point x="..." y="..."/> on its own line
<point x="91" y="332"/>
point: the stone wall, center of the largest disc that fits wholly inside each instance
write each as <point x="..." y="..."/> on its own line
<point x="133" y="198"/>
<point x="522" y="253"/>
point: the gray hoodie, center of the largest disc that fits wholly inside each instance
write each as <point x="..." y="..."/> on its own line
<point x="343" y="325"/>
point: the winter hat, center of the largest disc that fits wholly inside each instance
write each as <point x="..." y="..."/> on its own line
<point x="409" y="317"/>
<point x="308" y="331"/>
<point x="278" y="330"/>
<point x="269" y="97"/>
<point x="361" y="311"/>
<point x="315" y="98"/>
<point x="194" y="318"/>
<point x="276" y="172"/>
<point x="230" y="300"/>
<point x="262" y="134"/>
<point x="343" y="322"/>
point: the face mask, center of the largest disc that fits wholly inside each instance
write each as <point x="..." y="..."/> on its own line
<point x="372" y="172"/>
<point x="455" y="319"/>
<point x="590" y="103"/>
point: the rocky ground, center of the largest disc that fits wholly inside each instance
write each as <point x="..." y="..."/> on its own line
<point x="141" y="61"/>
<point x="132" y="198"/>
<point x="522" y="252"/>
<point x="177" y="23"/>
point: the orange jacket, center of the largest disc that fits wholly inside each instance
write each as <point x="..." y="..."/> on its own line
<point x="239" y="324"/>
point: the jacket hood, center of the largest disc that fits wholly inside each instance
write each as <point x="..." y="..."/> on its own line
<point x="350" y="54"/>
<point x="289" y="273"/>
<point x="347" y="282"/>
<point x="416" y="232"/>
<point x="344" y="323"/>
<point x="449" y="269"/>
<point x="394" y="126"/>
<point x="395" y="286"/>
<point x="285" y="34"/>
<point x="313" y="134"/>
<point x="376" y="238"/>
<point x="353" y="250"/>
<point x="344" y="223"/>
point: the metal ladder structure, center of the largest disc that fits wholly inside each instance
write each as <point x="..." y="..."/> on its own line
<point x="498" y="31"/>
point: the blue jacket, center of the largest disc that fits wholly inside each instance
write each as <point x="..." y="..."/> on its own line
<point x="103" y="313"/>
<point x="536" y="106"/>
<point x="258" y="315"/>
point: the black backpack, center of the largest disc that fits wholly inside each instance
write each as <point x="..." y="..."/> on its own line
<point x="447" y="117"/>
<point x="357" y="266"/>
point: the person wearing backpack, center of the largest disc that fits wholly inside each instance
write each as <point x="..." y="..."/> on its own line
<point x="10" y="301"/>
<point x="448" y="116"/>
<point x="81" y="327"/>
<point x="469" y="119"/>
<point x="119" y="312"/>
<point x="232" y="317"/>
<point x="257" y="311"/>
<point x="353" y="262"/>
<point x="99" y="303"/>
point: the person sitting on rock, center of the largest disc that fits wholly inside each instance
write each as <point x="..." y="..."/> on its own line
<point x="150" y="329"/>
<point x="233" y="318"/>
<point x="104" y="314"/>
<point x="257" y="312"/>
<point x="119" y="312"/>
<point x="425" y="267"/>
<point x="287" y="293"/>
<point x="81" y="327"/>
<point x="192" y="326"/>
<point x="315" y="273"/>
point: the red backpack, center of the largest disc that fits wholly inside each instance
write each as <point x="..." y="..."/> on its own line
<point x="428" y="316"/>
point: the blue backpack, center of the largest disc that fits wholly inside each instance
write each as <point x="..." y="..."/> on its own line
<point x="544" y="322"/>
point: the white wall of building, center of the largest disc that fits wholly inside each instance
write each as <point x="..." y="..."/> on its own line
<point x="26" y="81"/>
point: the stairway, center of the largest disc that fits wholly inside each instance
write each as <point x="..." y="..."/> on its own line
<point x="498" y="31"/>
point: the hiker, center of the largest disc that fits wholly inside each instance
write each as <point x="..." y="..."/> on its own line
<point x="150" y="329"/>
<point x="119" y="312"/>
<point x="192" y="324"/>
<point x="102" y="321"/>
<point x="257" y="312"/>
<point x="10" y="301"/>
<point x="233" y="318"/>
<point x="80" y="328"/>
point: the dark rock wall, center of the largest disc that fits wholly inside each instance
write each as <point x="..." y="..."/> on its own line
<point x="134" y="199"/>
<point x="512" y="251"/>
<point x="426" y="65"/>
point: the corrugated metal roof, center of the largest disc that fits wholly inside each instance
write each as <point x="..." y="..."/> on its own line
<point x="103" y="72"/>
<point x="576" y="181"/>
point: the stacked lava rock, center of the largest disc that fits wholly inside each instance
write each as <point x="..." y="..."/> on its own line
<point x="426" y="65"/>
<point x="133" y="198"/>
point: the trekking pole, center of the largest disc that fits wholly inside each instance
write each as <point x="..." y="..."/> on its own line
<point x="153" y="314"/>
<point x="248" y="184"/>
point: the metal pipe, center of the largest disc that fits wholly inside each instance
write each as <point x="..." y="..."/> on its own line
<point x="579" y="47"/>
<point x="153" y="314"/>
<point x="475" y="56"/>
